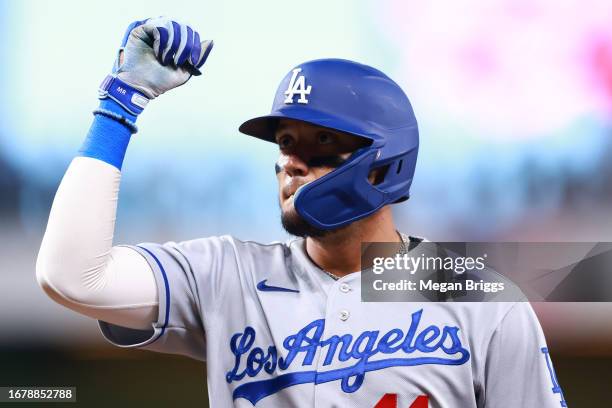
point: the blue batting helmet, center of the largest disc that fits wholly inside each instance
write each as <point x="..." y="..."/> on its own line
<point x="360" y="100"/>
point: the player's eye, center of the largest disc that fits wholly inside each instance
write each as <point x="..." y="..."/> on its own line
<point x="285" y="141"/>
<point x="325" y="138"/>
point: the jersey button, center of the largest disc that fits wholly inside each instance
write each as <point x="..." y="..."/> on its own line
<point x="344" y="315"/>
<point x="345" y="288"/>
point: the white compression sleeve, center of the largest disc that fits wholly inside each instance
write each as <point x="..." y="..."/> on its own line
<point x="77" y="265"/>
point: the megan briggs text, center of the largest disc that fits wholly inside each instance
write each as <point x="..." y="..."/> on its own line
<point x="429" y="285"/>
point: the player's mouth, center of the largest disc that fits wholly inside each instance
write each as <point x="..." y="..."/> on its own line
<point x="289" y="196"/>
<point x="290" y="190"/>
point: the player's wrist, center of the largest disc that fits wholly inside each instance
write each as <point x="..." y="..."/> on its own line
<point x="109" y="134"/>
<point x="125" y="95"/>
<point x="113" y="110"/>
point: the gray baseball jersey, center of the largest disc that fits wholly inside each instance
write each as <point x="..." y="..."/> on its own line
<point x="276" y="331"/>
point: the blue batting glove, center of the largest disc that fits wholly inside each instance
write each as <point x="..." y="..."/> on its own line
<point x="156" y="55"/>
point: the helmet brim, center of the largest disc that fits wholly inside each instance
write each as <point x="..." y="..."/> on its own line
<point x="264" y="127"/>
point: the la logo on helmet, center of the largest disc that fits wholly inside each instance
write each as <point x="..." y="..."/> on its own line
<point x="297" y="85"/>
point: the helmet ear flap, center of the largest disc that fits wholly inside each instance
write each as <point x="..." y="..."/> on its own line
<point x="377" y="175"/>
<point x="388" y="176"/>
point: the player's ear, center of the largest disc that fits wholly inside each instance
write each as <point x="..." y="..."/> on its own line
<point x="378" y="174"/>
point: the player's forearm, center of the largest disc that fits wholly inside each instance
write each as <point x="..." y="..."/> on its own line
<point x="81" y="224"/>
<point x="77" y="265"/>
<point x="80" y="229"/>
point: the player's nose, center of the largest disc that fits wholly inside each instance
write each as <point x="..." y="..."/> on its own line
<point x="293" y="164"/>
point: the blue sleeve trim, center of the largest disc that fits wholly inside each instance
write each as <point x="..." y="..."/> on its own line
<point x="167" y="290"/>
<point x="556" y="388"/>
<point x="108" y="138"/>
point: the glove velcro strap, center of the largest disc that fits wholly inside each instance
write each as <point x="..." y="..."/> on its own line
<point x="129" y="98"/>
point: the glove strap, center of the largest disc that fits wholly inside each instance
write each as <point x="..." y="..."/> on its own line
<point x="125" y="95"/>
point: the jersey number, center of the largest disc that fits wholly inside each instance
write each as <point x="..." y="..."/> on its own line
<point x="390" y="401"/>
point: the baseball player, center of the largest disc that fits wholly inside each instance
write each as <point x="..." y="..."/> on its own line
<point x="282" y="324"/>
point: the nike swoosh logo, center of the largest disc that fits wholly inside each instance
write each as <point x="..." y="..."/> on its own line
<point x="266" y="288"/>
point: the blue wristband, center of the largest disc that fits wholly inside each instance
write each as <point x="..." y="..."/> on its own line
<point x="108" y="136"/>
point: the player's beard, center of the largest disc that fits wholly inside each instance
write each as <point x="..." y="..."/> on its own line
<point x="294" y="224"/>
